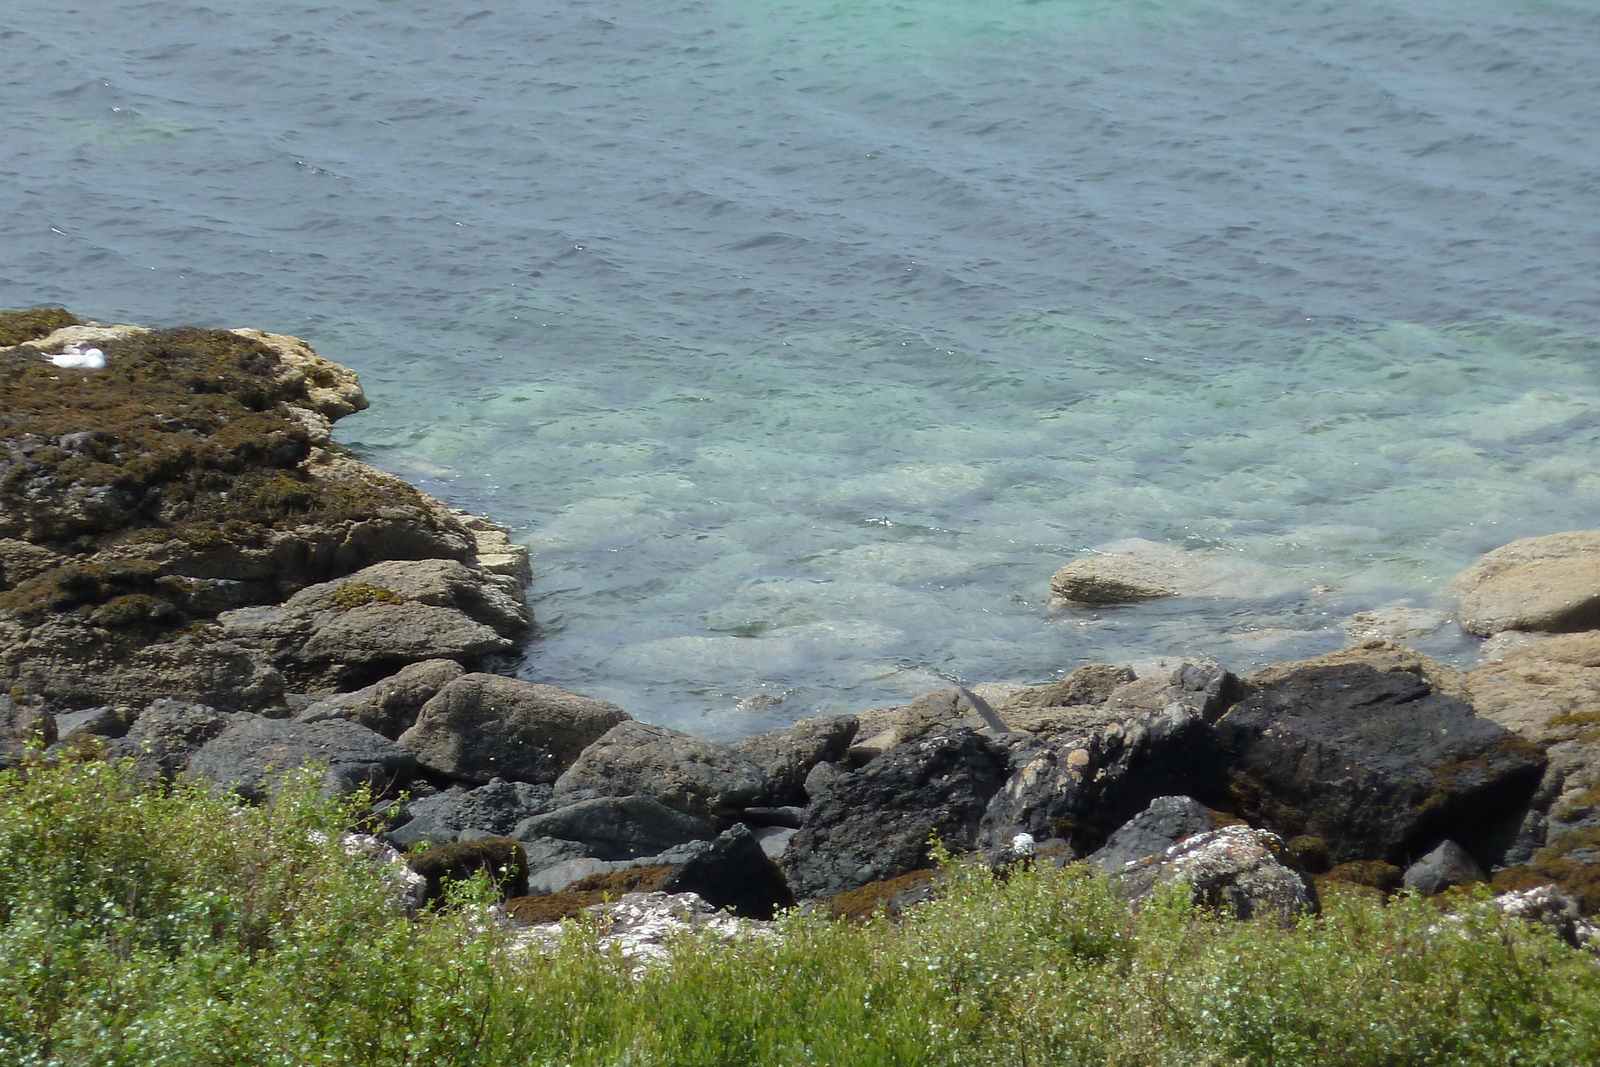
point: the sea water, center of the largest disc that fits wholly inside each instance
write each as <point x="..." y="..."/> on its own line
<point x="801" y="340"/>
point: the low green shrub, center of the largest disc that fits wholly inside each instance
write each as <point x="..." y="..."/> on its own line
<point x="175" y="927"/>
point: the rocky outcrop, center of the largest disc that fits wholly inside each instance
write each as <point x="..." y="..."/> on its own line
<point x="1364" y="750"/>
<point x="1549" y="583"/>
<point x="1150" y="737"/>
<point x="178" y="523"/>
<point x="875" y="823"/>
<point x="483" y="726"/>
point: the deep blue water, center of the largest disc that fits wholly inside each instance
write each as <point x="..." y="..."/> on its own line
<point x="803" y="341"/>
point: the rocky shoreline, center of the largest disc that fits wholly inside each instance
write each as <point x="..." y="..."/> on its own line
<point x="195" y="577"/>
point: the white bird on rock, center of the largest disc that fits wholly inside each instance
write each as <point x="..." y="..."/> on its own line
<point x="76" y="357"/>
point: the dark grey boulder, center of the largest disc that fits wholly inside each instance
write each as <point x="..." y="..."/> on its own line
<point x="875" y="823"/>
<point x="732" y="872"/>
<point x="1167" y="821"/>
<point x="616" y="828"/>
<point x="1445" y="867"/>
<point x="1375" y="762"/>
<point x="389" y="706"/>
<point x="167" y="733"/>
<point x="484" y="726"/>
<point x="786" y="757"/>
<point x="1150" y="737"/>
<point x="250" y="754"/>
<point x="707" y="779"/>
<point x="495" y="808"/>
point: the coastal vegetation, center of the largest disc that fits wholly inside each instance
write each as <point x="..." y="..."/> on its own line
<point x="173" y="925"/>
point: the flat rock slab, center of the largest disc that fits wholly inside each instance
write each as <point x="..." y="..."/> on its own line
<point x="484" y="726"/>
<point x="875" y="823"/>
<point x="706" y="779"/>
<point x="1374" y="760"/>
<point x="251" y="753"/>
<point x="1547" y="583"/>
<point x="1135" y="569"/>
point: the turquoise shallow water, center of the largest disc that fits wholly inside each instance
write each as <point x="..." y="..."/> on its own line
<point x="803" y="341"/>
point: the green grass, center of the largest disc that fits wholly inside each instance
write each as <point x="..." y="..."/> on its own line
<point x="146" y="927"/>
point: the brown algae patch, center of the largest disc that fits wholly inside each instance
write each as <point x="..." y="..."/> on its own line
<point x="188" y="436"/>
<point x="20" y="327"/>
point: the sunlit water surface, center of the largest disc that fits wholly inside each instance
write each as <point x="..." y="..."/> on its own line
<point x="802" y="341"/>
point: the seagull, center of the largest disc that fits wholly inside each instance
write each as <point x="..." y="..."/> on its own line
<point x="76" y="357"/>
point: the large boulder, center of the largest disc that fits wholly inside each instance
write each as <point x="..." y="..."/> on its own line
<point x="786" y="757"/>
<point x="1364" y="749"/>
<point x="708" y="779"/>
<point x="875" y="823"/>
<point x="1150" y="737"/>
<point x="251" y="753"/>
<point x="166" y="733"/>
<point x="389" y="706"/>
<point x="483" y="726"/>
<point x="1547" y="583"/>
<point x="617" y="828"/>
<point x="1236" y="871"/>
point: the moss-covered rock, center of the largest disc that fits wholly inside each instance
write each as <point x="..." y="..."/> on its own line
<point x="502" y="858"/>
<point x="191" y="476"/>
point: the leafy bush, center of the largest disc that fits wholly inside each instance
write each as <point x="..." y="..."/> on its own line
<point x="144" y="927"/>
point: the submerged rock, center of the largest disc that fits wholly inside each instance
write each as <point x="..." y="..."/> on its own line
<point x="1538" y="583"/>
<point x="1128" y="571"/>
